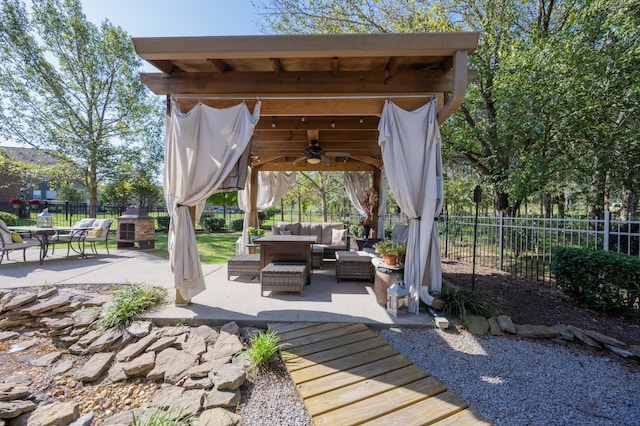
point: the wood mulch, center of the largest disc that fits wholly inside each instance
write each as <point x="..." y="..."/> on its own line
<point x="530" y="302"/>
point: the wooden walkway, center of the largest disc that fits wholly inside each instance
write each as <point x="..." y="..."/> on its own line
<point x="347" y="375"/>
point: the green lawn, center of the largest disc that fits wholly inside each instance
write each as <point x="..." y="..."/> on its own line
<point x="212" y="247"/>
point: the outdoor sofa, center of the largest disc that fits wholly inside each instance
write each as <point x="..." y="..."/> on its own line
<point x="330" y="236"/>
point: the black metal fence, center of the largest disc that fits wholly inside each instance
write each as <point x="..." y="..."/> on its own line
<point x="523" y="245"/>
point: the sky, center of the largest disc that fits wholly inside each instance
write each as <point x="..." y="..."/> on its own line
<point x="163" y="18"/>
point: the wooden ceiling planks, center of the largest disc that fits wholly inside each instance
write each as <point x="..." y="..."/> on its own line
<point x="334" y="86"/>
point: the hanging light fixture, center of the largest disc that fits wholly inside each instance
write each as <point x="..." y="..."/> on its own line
<point x="273" y="122"/>
<point x="313" y="160"/>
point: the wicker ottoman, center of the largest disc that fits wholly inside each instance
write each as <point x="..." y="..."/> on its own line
<point x="317" y="253"/>
<point x="244" y="266"/>
<point x="354" y="265"/>
<point x="282" y="276"/>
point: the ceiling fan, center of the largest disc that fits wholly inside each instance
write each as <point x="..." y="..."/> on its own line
<point x="315" y="155"/>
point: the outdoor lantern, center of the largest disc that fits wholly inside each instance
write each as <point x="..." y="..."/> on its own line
<point x="398" y="298"/>
<point x="44" y="219"/>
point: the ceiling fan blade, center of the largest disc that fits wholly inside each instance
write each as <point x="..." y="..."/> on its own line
<point x="297" y="160"/>
<point x="325" y="160"/>
<point x="337" y="154"/>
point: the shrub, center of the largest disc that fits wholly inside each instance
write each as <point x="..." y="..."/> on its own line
<point x="263" y="346"/>
<point x="163" y="223"/>
<point x="602" y="280"/>
<point x="460" y="302"/>
<point x="236" y="224"/>
<point x="211" y="223"/>
<point x="9" y="218"/>
<point x="129" y="302"/>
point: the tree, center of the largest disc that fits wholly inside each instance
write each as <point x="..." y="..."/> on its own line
<point x="71" y="86"/>
<point x="224" y="199"/>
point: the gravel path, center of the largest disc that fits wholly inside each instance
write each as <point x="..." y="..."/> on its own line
<point x="525" y="382"/>
<point x="510" y="381"/>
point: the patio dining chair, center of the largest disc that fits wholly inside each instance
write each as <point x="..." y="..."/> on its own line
<point x="76" y="235"/>
<point x="99" y="232"/>
<point x="11" y="241"/>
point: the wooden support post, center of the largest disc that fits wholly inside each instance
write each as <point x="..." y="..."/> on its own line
<point x="377" y="183"/>
<point x="253" y="195"/>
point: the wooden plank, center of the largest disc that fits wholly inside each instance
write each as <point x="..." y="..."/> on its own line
<point x="323" y="345"/>
<point x="468" y="417"/>
<point x="424" y="412"/>
<point x="398" y="365"/>
<point x="283" y="327"/>
<point x="340" y="364"/>
<point x="380" y="404"/>
<point x="296" y="363"/>
<point x="329" y="334"/>
<point x="362" y="390"/>
<point x="291" y="335"/>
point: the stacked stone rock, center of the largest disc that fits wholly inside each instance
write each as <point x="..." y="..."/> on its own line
<point x="503" y="324"/>
<point x="190" y="369"/>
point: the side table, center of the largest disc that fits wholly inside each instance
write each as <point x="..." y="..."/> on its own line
<point x="385" y="277"/>
<point x="252" y="248"/>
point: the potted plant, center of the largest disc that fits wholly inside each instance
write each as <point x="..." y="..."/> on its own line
<point x="390" y="251"/>
<point x="254" y="233"/>
<point x="34" y="204"/>
<point x="16" y="202"/>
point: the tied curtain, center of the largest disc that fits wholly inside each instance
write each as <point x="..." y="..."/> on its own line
<point x="355" y="182"/>
<point x="411" y="150"/>
<point x="207" y="151"/>
<point x="271" y="188"/>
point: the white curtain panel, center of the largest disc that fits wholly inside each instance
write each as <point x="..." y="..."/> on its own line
<point x="356" y="182"/>
<point x="411" y="151"/>
<point x="271" y="188"/>
<point x="382" y="203"/>
<point x="203" y="147"/>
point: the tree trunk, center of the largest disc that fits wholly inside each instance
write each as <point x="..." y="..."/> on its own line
<point x="629" y="203"/>
<point x="560" y="202"/>
<point x="93" y="191"/>
<point x="501" y="203"/>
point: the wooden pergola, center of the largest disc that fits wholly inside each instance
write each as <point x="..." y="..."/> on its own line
<point x="324" y="90"/>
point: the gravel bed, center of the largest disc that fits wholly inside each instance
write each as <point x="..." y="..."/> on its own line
<point x="525" y="382"/>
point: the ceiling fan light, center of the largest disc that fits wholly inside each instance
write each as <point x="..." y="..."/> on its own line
<point x="313" y="160"/>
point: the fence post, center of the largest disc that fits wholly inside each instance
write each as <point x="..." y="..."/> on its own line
<point x="500" y="240"/>
<point x="607" y="225"/>
<point x="446" y="234"/>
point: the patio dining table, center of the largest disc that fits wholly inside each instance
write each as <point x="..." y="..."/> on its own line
<point x="286" y="248"/>
<point x="76" y="235"/>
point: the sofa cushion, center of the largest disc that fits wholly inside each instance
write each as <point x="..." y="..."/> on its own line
<point x="338" y="237"/>
<point x="311" y="229"/>
<point x="327" y="231"/>
<point x="285" y="232"/>
<point x="293" y="227"/>
<point x="400" y="233"/>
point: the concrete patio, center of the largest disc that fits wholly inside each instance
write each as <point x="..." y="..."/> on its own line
<point x="224" y="300"/>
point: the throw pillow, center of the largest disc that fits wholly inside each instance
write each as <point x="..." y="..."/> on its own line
<point x="16" y="238"/>
<point x="338" y="237"/>
<point x="285" y="232"/>
<point x="94" y="232"/>
<point x="84" y="223"/>
<point x="277" y="230"/>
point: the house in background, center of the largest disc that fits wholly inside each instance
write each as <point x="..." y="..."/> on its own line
<point x="15" y="183"/>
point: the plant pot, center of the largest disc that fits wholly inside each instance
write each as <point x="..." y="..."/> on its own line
<point x="390" y="259"/>
<point x="252" y="238"/>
